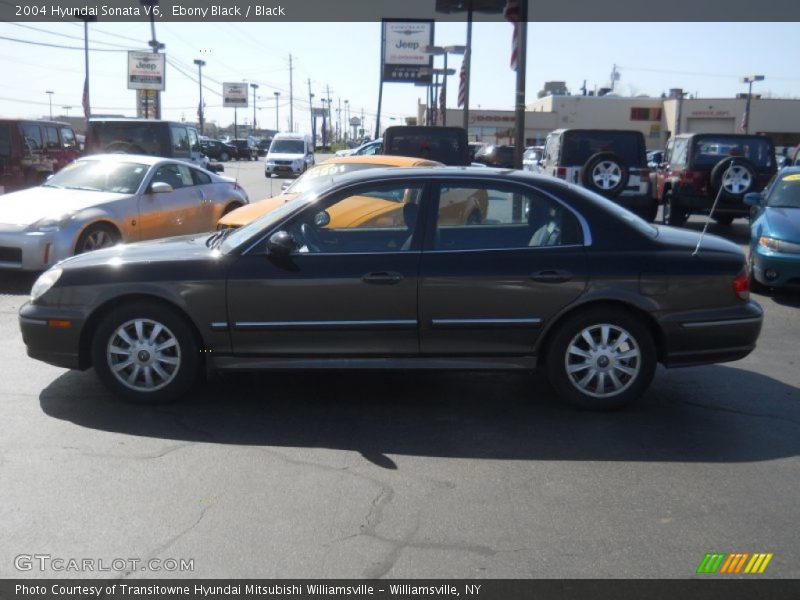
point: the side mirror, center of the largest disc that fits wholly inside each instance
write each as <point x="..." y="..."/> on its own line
<point x="280" y="243"/>
<point x="160" y="187"/>
<point x="754" y="199"/>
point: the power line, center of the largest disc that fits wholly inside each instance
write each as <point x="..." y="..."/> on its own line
<point x="65" y="35"/>
<point x="19" y="41"/>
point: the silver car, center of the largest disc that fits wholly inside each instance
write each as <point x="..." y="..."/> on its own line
<point x="104" y="199"/>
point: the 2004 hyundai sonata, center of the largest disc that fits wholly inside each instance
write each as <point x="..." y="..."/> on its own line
<point x="553" y="274"/>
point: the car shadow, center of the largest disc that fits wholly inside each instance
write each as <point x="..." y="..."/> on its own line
<point x="737" y="232"/>
<point x="718" y="414"/>
<point x="785" y="297"/>
<point x="16" y="282"/>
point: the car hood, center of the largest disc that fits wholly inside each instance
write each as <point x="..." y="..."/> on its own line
<point x="29" y="206"/>
<point x="685" y="239"/>
<point x="284" y="156"/>
<point x="250" y="212"/>
<point x="782" y="223"/>
<point x="182" y="248"/>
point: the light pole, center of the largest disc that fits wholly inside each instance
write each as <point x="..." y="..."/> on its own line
<point x="748" y="79"/>
<point x="50" y="98"/>
<point x="277" y="122"/>
<point x="255" y="87"/>
<point x="156" y="46"/>
<point x="87" y="110"/>
<point x="67" y="109"/>
<point x="445" y="50"/>
<point x="200" y="114"/>
<point x="347" y="120"/>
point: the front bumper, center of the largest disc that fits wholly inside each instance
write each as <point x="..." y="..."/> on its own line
<point x="276" y="169"/>
<point x="55" y="345"/>
<point x="786" y="267"/>
<point x="710" y="336"/>
<point x="33" y="250"/>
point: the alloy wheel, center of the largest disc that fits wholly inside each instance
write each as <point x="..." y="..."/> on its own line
<point x="143" y="355"/>
<point x="737" y="179"/>
<point x="602" y="360"/>
<point x="97" y="239"/>
<point x="606" y="175"/>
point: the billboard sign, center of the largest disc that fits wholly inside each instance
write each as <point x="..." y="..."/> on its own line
<point x="234" y="95"/>
<point x="404" y="52"/>
<point x="146" y="71"/>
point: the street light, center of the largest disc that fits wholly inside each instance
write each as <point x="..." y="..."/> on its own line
<point x="255" y="87"/>
<point x="748" y="79"/>
<point x="277" y="123"/>
<point x="50" y="98"/>
<point x="67" y="109"/>
<point x="347" y="119"/>
<point x="200" y="115"/>
<point x="445" y="50"/>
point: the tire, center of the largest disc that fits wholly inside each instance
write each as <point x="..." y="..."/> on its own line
<point x="605" y="173"/>
<point x="96" y="237"/>
<point x="672" y="213"/>
<point x="740" y="180"/>
<point x="224" y="157"/>
<point x="632" y="365"/>
<point x="724" y="219"/>
<point x="153" y="376"/>
<point x="230" y="208"/>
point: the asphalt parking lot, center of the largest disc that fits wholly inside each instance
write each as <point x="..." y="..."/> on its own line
<point x="404" y="474"/>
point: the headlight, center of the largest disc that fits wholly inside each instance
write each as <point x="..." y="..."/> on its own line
<point x="44" y="283"/>
<point x="770" y="243"/>
<point x="51" y="224"/>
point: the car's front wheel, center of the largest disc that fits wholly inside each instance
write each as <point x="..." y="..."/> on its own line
<point x="146" y="353"/>
<point x="601" y="359"/>
<point x="672" y="213"/>
<point x="224" y="157"/>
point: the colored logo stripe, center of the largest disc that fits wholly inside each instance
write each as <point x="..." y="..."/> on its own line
<point x="721" y="562"/>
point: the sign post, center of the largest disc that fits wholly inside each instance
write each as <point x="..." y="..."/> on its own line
<point x="146" y="74"/>
<point x="234" y="95"/>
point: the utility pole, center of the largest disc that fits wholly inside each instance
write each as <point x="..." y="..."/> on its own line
<point x="87" y="110"/>
<point x="200" y="116"/>
<point x="339" y="121"/>
<point x="255" y="87"/>
<point x="330" y="119"/>
<point x="291" y="95"/>
<point x="363" y="128"/>
<point x="50" y="97"/>
<point x="277" y="122"/>
<point x="156" y="46"/>
<point x="313" y="119"/>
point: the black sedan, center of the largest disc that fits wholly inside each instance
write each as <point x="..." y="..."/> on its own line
<point x="245" y="149"/>
<point x="496" y="156"/>
<point x="218" y="150"/>
<point x="362" y="274"/>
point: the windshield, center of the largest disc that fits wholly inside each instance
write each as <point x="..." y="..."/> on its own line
<point x="5" y="140"/>
<point x="129" y="137"/>
<point x="708" y="151"/>
<point x="287" y="147"/>
<point x="265" y="221"/>
<point x="579" y="146"/>
<point x="786" y="192"/>
<point x="323" y="174"/>
<point x="100" y="176"/>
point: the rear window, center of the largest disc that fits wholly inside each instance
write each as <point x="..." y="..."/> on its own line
<point x="433" y="144"/>
<point x="132" y="138"/>
<point x="5" y="140"/>
<point x="708" y="151"/>
<point x="579" y="146"/>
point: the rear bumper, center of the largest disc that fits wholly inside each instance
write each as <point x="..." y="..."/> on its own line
<point x="711" y="336"/>
<point x="703" y="204"/>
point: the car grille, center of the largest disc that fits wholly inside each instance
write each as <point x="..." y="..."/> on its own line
<point x="283" y="162"/>
<point x="12" y="255"/>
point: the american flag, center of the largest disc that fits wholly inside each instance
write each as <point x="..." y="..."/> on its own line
<point x="745" y="119"/>
<point x="87" y="111"/>
<point x="462" y="83"/>
<point x="442" y="100"/>
<point x="512" y="15"/>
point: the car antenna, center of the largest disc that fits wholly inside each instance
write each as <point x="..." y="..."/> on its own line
<point x="713" y="207"/>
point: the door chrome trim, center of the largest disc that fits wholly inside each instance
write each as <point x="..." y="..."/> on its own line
<point x="724" y="322"/>
<point x="310" y="325"/>
<point x="452" y="323"/>
<point x="219" y="325"/>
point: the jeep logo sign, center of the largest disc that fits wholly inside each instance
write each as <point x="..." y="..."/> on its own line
<point x="146" y="71"/>
<point x="234" y="95"/>
<point x="404" y="53"/>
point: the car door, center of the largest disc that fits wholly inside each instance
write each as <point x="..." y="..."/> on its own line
<point x="172" y="213"/>
<point x="348" y="289"/>
<point x="490" y="287"/>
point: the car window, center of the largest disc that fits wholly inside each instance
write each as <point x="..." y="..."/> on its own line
<point x="785" y="193"/>
<point x="489" y="217"/>
<point x="130" y="137"/>
<point x="708" y="151"/>
<point x="100" y="176"/>
<point x="51" y="138"/>
<point x="678" y="155"/>
<point x="176" y="175"/>
<point x="68" y="138"/>
<point x="579" y="146"/>
<point x="322" y="174"/>
<point x="32" y="136"/>
<point x="194" y="141"/>
<point x="551" y="149"/>
<point x="5" y="140"/>
<point x="374" y="219"/>
<point x="180" y="139"/>
<point x="199" y="177"/>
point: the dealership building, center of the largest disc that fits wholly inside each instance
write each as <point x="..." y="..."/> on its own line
<point x="656" y="118"/>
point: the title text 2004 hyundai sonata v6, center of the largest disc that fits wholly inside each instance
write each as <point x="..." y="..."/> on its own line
<point x="550" y="274"/>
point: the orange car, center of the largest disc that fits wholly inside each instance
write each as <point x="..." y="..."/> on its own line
<point x="371" y="210"/>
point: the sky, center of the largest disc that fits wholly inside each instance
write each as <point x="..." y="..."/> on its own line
<point x="705" y="59"/>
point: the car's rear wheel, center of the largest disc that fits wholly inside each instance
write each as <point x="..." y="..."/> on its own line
<point x="96" y="237"/>
<point x="146" y="353"/>
<point x="672" y="213"/>
<point x="601" y="359"/>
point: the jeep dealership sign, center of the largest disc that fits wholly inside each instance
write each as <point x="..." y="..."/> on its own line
<point x="146" y="71"/>
<point x="404" y="52"/>
<point x="234" y="95"/>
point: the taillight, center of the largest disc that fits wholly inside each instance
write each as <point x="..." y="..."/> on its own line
<point x="561" y="172"/>
<point x="741" y="285"/>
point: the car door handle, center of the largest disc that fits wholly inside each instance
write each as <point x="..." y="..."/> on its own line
<point x="382" y="278"/>
<point x="552" y="276"/>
